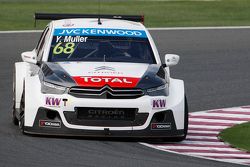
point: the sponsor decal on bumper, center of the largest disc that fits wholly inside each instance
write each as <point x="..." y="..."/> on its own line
<point x="51" y="101"/>
<point x="112" y="81"/>
<point x="158" y="103"/>
<point x="55" y="102"/>
<point x="49" y="124"/>
<point x="160" y="126"/>
<point x="44" y="126"/>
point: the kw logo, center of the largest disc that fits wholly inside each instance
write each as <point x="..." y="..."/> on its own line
<point x="51" y="101"/>
<point x="159" y="103"/>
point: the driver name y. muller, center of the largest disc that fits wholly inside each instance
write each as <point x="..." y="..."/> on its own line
<point x="71" y="39"/>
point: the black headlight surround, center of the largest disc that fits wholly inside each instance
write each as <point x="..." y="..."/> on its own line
<point x="162" y="90"/>
<point x="50" y="88"/>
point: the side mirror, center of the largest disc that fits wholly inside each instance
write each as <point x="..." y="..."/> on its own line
<point x="171" y="60"/>
<point x="29" y="57"/>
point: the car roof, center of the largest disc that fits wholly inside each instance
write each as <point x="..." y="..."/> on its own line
<point x="93" y="23"/>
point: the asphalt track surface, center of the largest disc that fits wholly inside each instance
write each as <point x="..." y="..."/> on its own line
<point x="214" y="64"/>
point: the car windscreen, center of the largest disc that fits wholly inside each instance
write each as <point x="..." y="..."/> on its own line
<point x="101" y="49"/>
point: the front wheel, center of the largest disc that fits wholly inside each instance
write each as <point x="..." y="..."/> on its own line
<point x="22" y="107"/>
<point x="14" y="118"/>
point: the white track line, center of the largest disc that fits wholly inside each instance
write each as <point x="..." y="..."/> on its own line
<point x="239" y="160"/>
<point x="198" y="148"/>
<point x="203" y="132"/>
<point x="202" y="143"/>
<point x="216" y="120"/>
<point x="201" y="137"/>
<point x="237" y="109"/>
<point x="208" y="127"/>
<point x="152" y="29"/>
<point x="243" y="155"/>
<point x="225" y="115"/>
<point x="201" y="28"/>
<point x="21" y="31"/>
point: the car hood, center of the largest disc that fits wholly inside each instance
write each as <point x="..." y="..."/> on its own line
<point x="99" y="74"/>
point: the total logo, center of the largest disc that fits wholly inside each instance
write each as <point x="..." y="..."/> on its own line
<point x="107" y="80"/>
<point x="158" y="103"/>
<point x="100" y="81"/>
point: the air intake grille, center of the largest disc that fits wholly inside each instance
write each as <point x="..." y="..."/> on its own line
<point x="106" y="93"/>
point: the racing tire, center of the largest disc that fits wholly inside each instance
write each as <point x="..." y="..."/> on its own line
<point x="179" y="139"/>
<point x="21" y="120"/>
<point x="14" y="118"/>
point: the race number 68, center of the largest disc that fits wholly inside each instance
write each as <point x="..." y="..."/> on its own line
<point x="67" y="49"/>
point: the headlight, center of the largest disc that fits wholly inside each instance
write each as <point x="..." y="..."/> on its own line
<point x="52" y="88"/>
<point x="158" y="91"/>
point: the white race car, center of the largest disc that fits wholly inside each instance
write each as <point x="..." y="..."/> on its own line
<point x="98" y="77"/>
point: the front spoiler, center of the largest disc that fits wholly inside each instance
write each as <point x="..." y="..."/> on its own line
<point x="65" y="131"/>
<point x="104" y="133"/>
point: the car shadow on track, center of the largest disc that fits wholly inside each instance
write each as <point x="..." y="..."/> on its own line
<point x="111" y="139"/>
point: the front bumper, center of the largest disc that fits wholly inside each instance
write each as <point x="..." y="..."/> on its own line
<point x="36" y="102"/>
<point x="61" y="130"/>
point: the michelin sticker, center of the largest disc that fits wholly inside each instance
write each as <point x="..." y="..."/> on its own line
<point x="158" y="103"/>
<point x="99" y="32"/>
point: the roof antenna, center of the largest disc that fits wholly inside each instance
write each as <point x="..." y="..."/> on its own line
<point x="99" y="16"/>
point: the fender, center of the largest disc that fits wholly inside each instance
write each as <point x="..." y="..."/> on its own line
<point x="20" y="72"/>
<point x="33" y="99"/>
<point x="176" y="101"/>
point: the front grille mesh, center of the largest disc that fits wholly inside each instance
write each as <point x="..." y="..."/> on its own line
<point x="106" y="93"/>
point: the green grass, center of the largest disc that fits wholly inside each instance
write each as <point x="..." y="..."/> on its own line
<point x="18" y="14"/>
<point x="238" y="136"/>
